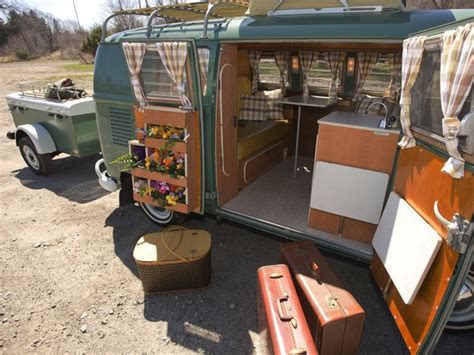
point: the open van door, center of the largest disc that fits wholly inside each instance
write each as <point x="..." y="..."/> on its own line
<point x="423" y="245"/>
<point x="173" y="131"/>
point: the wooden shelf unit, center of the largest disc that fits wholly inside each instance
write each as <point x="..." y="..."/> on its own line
<point x="173" y="117"/>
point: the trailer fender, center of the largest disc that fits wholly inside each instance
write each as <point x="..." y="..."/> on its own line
<point x="39" y="135"/>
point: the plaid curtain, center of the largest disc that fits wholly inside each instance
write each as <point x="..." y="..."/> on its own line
<point x="281" y="59"/>
<point x="456" y="75"/>
<point x="411" y="61"/>
<point x="254" y="58"/>
<point x="134" y="54"/>
<point x="365" y="64"/>
<point x="306" y="60"/>
<point x="173" y="55"/>
<point x="335" y="61"/>
<point x="395" y="63"/>
<point x="203" y="54"/>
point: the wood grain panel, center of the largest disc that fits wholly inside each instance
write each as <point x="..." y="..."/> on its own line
<point x="420" y="182"/>
<point x="357" y="230"/>
<point x="226" y="146"/>
<point x="357" y="148"/>
<point x="324" y="221"/>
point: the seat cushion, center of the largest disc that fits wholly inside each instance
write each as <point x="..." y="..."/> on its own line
<point x="253" y="107"/>
<point x="275" y="108"/>
<point x="253" y="136"/>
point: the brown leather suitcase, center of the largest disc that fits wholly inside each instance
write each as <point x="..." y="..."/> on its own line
<point x="282" y="325"/>
<point x="334" y="316"/>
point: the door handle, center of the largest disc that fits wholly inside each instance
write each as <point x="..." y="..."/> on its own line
<point x="458" y="230"/>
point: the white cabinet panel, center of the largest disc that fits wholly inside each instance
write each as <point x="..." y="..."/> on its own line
<point x="349" y="192"/>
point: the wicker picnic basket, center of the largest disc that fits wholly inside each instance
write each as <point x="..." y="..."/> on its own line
<point x="174" y="259"/>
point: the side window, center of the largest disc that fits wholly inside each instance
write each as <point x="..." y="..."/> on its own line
<point x="320" y="77"/>
<point x="157" y="83"/>
<point x="269" y="74"/>
<point x="378" y="81"/>
<point x="425" y="108"/>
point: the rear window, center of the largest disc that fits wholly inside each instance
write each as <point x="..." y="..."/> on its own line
<point x="156" y="80"/>
<point x="320" y="77"/>
<point x="378" y="81"/>
<point x="425" y="108"/>
<point x="268" y="73"/>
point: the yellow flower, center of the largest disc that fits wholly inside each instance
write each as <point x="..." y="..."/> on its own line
<point x="147" y="162"/>
<point x="163" y="136"/>
<point x="155" y="130"/>
<point x="148" y="190"/>
<point x="170" y="200"/>
<point x="179" y="166"/>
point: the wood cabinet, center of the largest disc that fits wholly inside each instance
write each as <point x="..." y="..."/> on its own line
<point x="352" y="140"/>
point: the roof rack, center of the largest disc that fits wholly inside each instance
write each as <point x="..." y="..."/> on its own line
<point x="195" y="11"/>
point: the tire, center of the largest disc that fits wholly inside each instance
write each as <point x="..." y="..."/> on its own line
<point x="462" y="317"/>
<point x="41" y="164"/>
<point x="162" y="216"/>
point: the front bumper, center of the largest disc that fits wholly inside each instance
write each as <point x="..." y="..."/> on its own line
<point x="105" y="180"/>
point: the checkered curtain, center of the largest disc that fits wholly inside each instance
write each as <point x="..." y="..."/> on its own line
<point x="306" y="60"/>
<point x="335" y="61"/>
<point x="365" y="64"/>
<point x="456" y="75"/>
<point x="203" y="54"/>
<point x="411" y="61"/>
<point x="254" y="58"/>
<point x="134" y="54"/>
<point x="395" y="64"/>
<point x="173" y="56"/>
<point x="281" y="59"/>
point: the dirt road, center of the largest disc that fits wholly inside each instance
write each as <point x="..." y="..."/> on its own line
<point x="69" y="284"/>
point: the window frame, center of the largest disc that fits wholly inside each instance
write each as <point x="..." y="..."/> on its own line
<point x="171" y="100"/>
<point x="381" y="93"/>
<point x="319" y="90"/>
<point x="273" y="86"/>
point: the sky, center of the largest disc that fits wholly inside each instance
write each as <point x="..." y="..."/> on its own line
<point x="90" y="12"/>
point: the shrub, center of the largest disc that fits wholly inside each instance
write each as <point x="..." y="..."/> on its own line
<point x="22" y="55"/>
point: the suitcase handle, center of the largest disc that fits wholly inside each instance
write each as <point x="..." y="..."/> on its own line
<point x="314" y="269"/>
<point x="284" y="317"/>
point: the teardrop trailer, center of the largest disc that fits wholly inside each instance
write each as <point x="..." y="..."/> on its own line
<point x="285" y="118"/>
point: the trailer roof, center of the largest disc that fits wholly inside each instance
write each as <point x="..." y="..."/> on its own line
<point x="390" y="25"/>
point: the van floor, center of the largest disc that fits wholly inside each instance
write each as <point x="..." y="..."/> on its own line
<point x="280" y="198"/>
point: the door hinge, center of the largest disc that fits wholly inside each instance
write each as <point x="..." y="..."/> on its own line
<point x="459" y="230"/>
<point x="211" y="195"/>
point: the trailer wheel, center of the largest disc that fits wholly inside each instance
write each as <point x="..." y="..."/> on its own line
<point x="163" y="216"/>
<point x="41" y="164"/>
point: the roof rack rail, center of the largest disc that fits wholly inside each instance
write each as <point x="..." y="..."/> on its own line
<point x="195" y="11"/>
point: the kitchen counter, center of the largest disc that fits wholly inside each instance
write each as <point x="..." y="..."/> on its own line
<point x="356" y="120"/>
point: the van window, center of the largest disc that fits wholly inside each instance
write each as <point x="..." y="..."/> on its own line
<point x="156" y="80"/>
<point x="425" y="108"/>
<point x="378" y="81"/>
<point x="269" y="74"/>
<point x="320" y="77"/>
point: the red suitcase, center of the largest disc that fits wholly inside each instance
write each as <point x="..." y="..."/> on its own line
<point x="334" y="316"/>
<point x="282" y="325"/>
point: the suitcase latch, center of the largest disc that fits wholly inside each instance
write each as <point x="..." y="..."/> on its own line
<point x="332" y="301"/>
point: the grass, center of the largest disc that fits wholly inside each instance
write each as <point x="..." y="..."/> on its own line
<point x="79" y="67"/>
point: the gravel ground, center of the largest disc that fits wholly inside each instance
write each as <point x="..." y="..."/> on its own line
<point x="69" y="283"/>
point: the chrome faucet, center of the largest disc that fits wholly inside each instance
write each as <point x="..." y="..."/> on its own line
<point x="383" y="122"/>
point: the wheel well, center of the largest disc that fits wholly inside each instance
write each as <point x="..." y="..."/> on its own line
<point x="19" y="135"/>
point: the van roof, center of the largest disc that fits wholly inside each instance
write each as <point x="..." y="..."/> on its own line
<point x="390" y="25"/>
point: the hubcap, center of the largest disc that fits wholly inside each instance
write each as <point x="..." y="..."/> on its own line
<point x="31" y="157"/>
<point x="159" y="215"/>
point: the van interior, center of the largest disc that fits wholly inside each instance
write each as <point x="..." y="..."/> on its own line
<point x="256" y="160"/>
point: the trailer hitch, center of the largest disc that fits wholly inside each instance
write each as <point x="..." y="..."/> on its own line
<point x="459" y="230"/>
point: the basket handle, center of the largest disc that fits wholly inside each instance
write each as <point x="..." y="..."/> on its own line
<point x="171" y="251"/>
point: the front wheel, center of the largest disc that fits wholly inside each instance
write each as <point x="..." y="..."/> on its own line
<point x="41" y="164"/>
<point x="162" y="216"/>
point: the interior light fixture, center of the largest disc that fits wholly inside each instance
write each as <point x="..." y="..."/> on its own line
<point x="350" y="66"/>
<point x="295" y="64"/>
